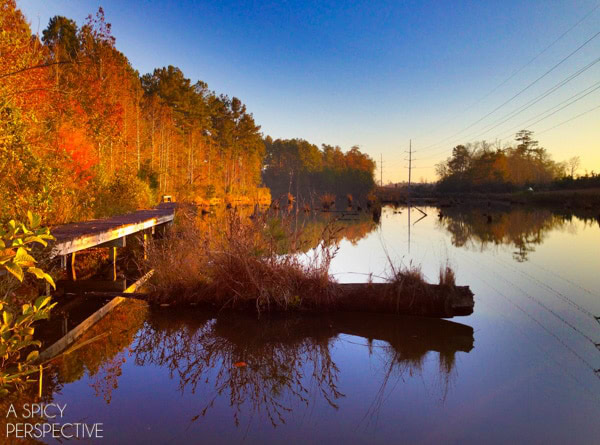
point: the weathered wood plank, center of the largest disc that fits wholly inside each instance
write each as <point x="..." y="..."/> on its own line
<point x="81" y="328"/>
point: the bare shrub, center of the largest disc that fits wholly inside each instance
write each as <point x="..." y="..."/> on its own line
<point x="258" y="263"/>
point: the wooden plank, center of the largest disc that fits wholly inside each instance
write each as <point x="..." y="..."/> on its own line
<point x="119" y="242"/>
<point x="80" y="329"/>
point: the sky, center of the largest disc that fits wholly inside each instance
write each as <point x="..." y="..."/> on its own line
<point x="378" y="74"/>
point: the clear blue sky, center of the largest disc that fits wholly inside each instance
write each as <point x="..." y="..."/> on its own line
<point x="369" y="73"/>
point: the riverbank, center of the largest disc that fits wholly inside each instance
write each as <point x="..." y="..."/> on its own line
<point x="581" y="199"/>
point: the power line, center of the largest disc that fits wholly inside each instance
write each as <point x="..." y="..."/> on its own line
<point x="536" y="99"/>
<point x="524" y="66"/>
<point x="523" y="126"/>
<point x="480" y="264"/>
<point x="564" y="59"/>
<point x="559" y="294"/>
<point x="523" y="107"/>
<point x="569" y="120"/>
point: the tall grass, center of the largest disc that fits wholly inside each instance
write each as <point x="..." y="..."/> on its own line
<point x="237" y="264"/>
<point x="447" y="276"/>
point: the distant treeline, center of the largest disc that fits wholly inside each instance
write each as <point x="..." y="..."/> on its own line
<point x="298" y="167"/>
<point x="481" y="167"/>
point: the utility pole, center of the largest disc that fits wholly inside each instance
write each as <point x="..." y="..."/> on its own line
<point x="409" y="161"/>
<point x="381" y="171"/>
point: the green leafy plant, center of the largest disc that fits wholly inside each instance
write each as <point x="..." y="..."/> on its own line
<point x="16" y="336"/>
<point x="16" y="324"/>
<point x="16" y="241"/>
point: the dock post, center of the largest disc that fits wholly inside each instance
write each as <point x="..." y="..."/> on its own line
<point x="71" y="266"/>
<point x="145" y="245"/>
<point x="114" y="262"/>
<point x="65" y="325"/>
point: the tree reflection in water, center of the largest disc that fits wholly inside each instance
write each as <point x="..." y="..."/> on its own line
<point x="483" y="228"/>
<point x="288" y="358"/>
<point x="103" y="359"/>
<point x="279" y="355"/>
<point x="303" y="231"/>
<point x="284" y="356"/>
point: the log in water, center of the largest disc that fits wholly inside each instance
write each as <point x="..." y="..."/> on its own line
<point x="430" y="300"/>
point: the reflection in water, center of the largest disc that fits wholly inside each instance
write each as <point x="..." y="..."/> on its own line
<point x="99" y="354"/>
<point x="367" y="378"/>
<point x="262" y="368"/>
<point x="102" y="358"/>
<point x="482" y="228"/>
<point x="299" y="231"/>
<point x="266" y="366"/>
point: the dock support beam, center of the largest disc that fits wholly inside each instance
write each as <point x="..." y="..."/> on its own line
<point x="71" y="267"/>
<point x="113" y="255"/>
<point x="145" y="245"/>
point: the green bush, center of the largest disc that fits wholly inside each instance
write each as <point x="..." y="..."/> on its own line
<point x="123" y="193"/>
<point x="16" y="323"/>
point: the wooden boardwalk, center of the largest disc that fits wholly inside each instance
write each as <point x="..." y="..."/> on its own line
<point x="74" y="237"/>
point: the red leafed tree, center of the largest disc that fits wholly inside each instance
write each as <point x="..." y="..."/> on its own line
<point x="80" y="150"/>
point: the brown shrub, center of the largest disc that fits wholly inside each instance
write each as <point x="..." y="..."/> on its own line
<point x="350" y="199"/>
<point x="237" y="264"/>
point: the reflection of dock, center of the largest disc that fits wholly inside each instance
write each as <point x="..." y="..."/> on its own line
<point x="414" y="333"/>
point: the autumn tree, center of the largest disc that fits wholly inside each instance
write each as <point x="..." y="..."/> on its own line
<point x="479" y="165"/>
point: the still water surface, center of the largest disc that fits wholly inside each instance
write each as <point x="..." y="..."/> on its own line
<point x="522" y="367"/>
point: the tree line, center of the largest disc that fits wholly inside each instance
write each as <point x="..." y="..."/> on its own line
<point x="303" y="169"/>
<point x="481" y="166"/>
<point x="82" y="134"/>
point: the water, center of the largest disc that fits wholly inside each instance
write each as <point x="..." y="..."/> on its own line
<point x="522" y="367"/>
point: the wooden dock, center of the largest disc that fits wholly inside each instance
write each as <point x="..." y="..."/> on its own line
<point x="108" y="232"/>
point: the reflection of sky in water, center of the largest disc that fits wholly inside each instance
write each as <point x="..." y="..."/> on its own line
<point x="530" y="376"/>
